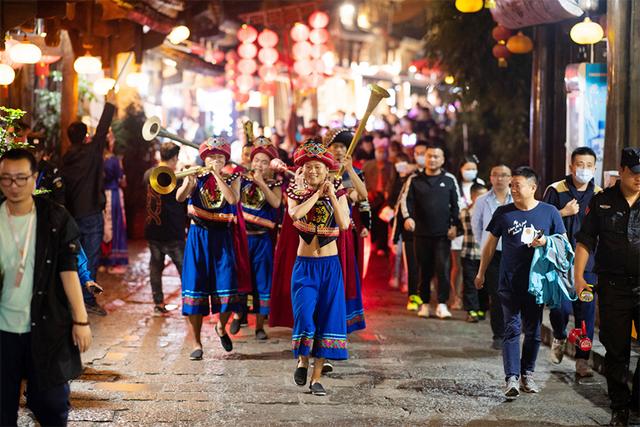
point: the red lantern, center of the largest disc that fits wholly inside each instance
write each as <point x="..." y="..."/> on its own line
<point x="268" y="73"/>
<point x="500" y="33"/>
<point x="301" y="50"/>
<point x="268" y="89"/>
<point x="247" y="50"/>
<point x="501" y="52"/>
<point x="230" y="74"/>
<point x="267" y="38"/>
<point x="244" y="82"/>
<point x="268" y="55"/>
<point x="301" y="83"/>
<point x="299" y="32"/>
<point x="247" y="66"/>
<point x="318" y="19"/>
<point x="231" y="56"/>
<point x="317" y="50"/>
<point x="231" y="85"/>
<point x="318" y="66"/>
<point x="217" y="56"/>
<point x="247" y="34"/>
<point x="241" y="97"/>
<point x="303" y="67"/>
<point x="319" y="36"/>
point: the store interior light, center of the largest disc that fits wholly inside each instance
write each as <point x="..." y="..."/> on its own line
<point x="7" y="74"/>
<point x="25" y="52"/>
<point x="449" y="80"/>
<point x="363" y="21"/>
<point x="87" y="64"/>
<point x="179" y="34"/>
<point x="169" y="62"/>
<point x="586" y="32"/>
<point x="347" y="14"/>
<point x="137" y="80"/>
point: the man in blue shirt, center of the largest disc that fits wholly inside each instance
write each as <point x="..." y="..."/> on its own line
<point x="522" y="226"/>
<point x="571" y="196"/>
<point x="483" y="211"/>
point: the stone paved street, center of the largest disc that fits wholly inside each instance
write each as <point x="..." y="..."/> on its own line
<point x="403" y="371"/>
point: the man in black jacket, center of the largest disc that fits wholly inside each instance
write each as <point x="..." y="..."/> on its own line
<point x="430" y="209"/>
<point x="43" y="321"/>
<point x="83" y="174"/>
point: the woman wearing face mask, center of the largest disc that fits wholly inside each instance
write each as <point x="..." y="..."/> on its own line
<point x="468" y="175"/>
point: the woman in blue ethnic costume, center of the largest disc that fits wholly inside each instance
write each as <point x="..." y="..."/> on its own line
<point x="319" y="210"/>
<point x="261" y="197"/>
<point x="351" y="241"/>
<point x="209" y="276"/>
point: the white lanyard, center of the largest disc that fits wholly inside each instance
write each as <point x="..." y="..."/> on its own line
<point x="25" y="249"/>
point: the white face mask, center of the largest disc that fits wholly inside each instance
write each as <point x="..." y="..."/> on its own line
<point x="421" y="160"/>
<point x="469" y="175"/>
<point x="583" y="176"/>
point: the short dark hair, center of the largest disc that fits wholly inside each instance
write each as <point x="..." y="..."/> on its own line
<point x="437" y="147"/>
<point x="168" y="150"/>
<point x="421" y="142"/>
<point x="475" y="187"/>
<point x="76" y="132"/>
<point x="583" y="151"/>
<point x="20" y="154"/>
<point x="526" y="172"/>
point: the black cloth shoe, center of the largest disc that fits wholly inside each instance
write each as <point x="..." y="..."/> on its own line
<point x="94" y="308"/>
<point x="619" y="417"/>
<point x="300" y="375"/>
<point x="327" y="367"/>
<point x="225" y="340"/>
<point x="261" y="335"/>
<point x="196" y="354"/>
<point x="235" y="326"/>
<point x="317" y="389"/>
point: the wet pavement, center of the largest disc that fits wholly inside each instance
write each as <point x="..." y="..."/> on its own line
<point x="402" y="370"/>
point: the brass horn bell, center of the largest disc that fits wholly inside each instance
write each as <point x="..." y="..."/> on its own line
<point x="163" y="180"/>
<point x="153" y="128"/>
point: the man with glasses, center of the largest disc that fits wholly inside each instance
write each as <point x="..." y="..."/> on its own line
<point x="83" y="175"/>
<point x="485" y="206"/>
<point x="522" y="225"/>
<point x="43" y="323"/>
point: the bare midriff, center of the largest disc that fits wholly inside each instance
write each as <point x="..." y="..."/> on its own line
<point x="315" y="250"/>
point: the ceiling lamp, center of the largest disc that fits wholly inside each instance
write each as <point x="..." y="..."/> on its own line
<point x="25" y="52"/>
<point x="179" y="34"/>
<point x="103" y="85"/>
<point x="7" y="75"/>
<point x="586" y="32"/>
<point x="87" y="64"/>
<point x="519" y="44"/>
<point x="469" y="6"/>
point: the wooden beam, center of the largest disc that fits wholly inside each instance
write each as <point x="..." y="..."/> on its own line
<point x="69" y="110"/>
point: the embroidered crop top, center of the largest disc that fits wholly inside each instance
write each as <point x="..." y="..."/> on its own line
<point x="207" y="202"/>
<point x="320" y="221"/>
<point x="258" y="213"/>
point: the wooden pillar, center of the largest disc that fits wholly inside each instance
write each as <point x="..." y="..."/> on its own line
<point x="541" y="105"/>
<point x="634" y="76"/>
<point x="617" y="130"/>
<point x="69" y="110"/>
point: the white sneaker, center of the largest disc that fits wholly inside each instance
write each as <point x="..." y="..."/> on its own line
<point x="511" y="390"/>
<point x="424" y="311"/>
<point x="557" y="350"/>
<point x="443" y="312"/>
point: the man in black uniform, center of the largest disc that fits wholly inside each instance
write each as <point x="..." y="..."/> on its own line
<point x="49" y="179"/>
<point x="612" y="228"/>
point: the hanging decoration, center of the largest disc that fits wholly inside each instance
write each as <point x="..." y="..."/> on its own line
<point x="469" y="6"/>
<point x="519" y="44"/>
<point x="501" y="53"/>
<point x="25" y="52"/>
<point x="242" y="71"/>
<point x="587" y="32"/>
<point x="7" y="75"/>
<point x="87" y="64"/>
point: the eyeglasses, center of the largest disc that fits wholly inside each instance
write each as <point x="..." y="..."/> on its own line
<point x="19" y="180"/>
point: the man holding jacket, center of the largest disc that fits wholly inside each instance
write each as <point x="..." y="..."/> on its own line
<point x="430" y="209"/>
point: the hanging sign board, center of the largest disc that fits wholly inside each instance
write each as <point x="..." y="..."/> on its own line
<point x="515" y="14"/>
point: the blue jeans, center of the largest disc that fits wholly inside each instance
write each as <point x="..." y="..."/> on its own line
<point x="521" y="315"/>
<point x="559" y="318"/>
<point x="91" y="231"/>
